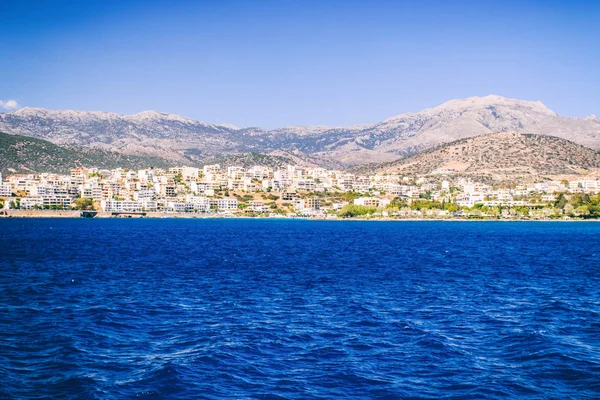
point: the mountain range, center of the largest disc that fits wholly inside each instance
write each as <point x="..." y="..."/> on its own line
<point x="183" y="140"/>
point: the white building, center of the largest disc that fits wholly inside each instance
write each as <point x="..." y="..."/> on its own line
<point x="257" y="206"/>
<point x="367" y="201"/>
<point x="146" y="194"/>
<point x="121" y="206"/>
<point x="224" y="204"/>
<point x="304" y="184"/>
<point x="46" y="202"/>
<point x="187" y="207"/>
<point x="5" y="190"/>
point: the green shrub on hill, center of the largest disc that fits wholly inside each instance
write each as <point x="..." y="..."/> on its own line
<point x="353" y="210"/>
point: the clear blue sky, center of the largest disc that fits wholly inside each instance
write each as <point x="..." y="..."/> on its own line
<point x="271" y="64"/>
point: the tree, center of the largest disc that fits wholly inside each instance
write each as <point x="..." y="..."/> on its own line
<point x="451" y="207"/>
<point x="350" y="195"/>
<point x="582" y="211"/>
<point x="178" y="178"/>
<point x="353" y="210"/>
<point x="425" y="195"/>
<point x="561" y="201"/>
<point x="84" y="203"/>
<point x="580" y="199"/>
<point x="399" y="202"/>
<point x="521" y="210"/>
<point x="568" y="209"/>
<point x="423" y="204"/>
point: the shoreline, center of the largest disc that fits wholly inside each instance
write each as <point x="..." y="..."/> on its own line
<point x="75" y="214"/>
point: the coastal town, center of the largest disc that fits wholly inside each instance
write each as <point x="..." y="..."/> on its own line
<point x="290" y="191"/>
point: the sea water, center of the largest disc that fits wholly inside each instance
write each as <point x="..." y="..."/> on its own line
<point x="276" y="309"/>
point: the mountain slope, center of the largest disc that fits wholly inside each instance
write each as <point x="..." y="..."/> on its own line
<point x="25" y="154"/>
<point x="183" y="140"/>
<point x="501" y="155"/>
<point x="248" y="160"/>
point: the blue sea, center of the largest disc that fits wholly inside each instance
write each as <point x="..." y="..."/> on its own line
<point x="287" y="309"/>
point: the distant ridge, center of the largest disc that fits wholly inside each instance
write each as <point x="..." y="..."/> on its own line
<point x="181" y="139"/>
<point x="22" y="154"/>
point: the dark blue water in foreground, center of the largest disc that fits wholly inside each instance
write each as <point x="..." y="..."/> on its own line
<point x="113" y="309"/>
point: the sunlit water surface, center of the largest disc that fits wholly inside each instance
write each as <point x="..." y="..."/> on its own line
<point x="113" y="309"/>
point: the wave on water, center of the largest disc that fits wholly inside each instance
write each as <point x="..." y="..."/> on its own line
<point x="111" y="309"/>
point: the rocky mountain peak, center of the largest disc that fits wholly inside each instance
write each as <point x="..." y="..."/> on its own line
<point x="493" y="101"/>
<point x="478" y="104"/>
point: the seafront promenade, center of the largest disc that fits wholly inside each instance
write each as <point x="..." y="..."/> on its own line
<point x="76" y="214"/>
<point x="101" y="214"/>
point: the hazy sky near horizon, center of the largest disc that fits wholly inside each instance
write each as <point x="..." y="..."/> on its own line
<point x="278" y="63"/>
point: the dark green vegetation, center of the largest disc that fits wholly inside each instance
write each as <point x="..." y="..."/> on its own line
<point x="248" y="160"/>
<point x="21" y="154"/>
<point x="566" y="205"/>
<point x="578" y="205"/>
<point x="353" y="210"/>
<point x="423" y="204"/>
<point x="84" y="203"/>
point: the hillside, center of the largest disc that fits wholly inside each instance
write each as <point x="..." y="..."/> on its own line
<point x="183" y="140"/>
<point x="500" y="156"/>
<point x="25" y="154"/>
<point x="248" y="160"/>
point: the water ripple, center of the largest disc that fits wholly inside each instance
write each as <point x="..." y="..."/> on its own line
<point x="298" y="310"/>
